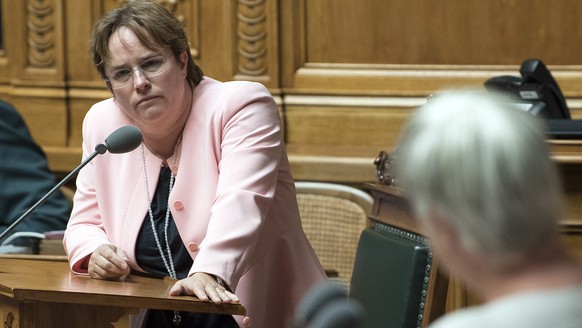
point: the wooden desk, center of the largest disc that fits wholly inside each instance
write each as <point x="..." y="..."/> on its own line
<point x="45" y="293"/>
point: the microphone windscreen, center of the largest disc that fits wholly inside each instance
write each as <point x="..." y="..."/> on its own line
<point x="339" y="314"/>
<point x="123" y="140"/>
<point x="316" y="298"/>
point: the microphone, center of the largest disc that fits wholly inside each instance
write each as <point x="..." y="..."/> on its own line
<point x="315" y="299"/>
<point x="122" y="140"/>
<point x="339" y="314"/>
<point x="326" y="305"/>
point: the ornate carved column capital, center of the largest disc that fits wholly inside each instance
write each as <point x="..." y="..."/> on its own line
<point x="40" y="34"/>
<point x="252" y="37"/>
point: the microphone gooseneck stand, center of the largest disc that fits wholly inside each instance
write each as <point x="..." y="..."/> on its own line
<point x="122" y="140"/>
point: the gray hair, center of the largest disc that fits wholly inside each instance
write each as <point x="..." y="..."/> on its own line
<point x="484" y="166"/>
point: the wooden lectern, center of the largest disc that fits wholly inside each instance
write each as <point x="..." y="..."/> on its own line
<point x="42" y="293"/>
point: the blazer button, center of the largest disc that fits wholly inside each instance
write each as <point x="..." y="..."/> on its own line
<point x="193" y="247"/>
<point x="178" y="205"/>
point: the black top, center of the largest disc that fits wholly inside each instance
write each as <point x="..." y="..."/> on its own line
<point x="147" y="253"/>
<point x="149" y="259"/>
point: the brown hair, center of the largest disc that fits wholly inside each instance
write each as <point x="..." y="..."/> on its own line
<point x="155" y="26"/>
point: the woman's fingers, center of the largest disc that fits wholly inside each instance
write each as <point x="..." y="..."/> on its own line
<point x="108" y="262"/>
<point x="205" y="287"/>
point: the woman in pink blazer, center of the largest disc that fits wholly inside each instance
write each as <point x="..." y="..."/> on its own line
<point x="208" y="198"/>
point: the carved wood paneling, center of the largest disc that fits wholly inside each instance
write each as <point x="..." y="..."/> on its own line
<point x="412" y="48"/>
<point x="257" y="42"/>
<point x="9" y="313"/>
<point x="382" y="52"/>
<point x="41" y="43"/>
<point x="41" y="36"/>
<point x="252" y="37"/>
<point x="442" y="32"/>
<point x="345" y="74"/>
<point x="369" y="121"/>
<point x="34" y="80"/>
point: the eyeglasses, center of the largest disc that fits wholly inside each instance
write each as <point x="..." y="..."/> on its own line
<point x="150" y="68"/>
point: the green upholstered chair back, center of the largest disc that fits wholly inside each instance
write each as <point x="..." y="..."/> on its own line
<point x="390" y="277"/>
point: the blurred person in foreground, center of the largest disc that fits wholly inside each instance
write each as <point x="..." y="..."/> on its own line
<point x="208" y="198"/>
<point x="484" y="189"/>
<point x="24" y="179"/>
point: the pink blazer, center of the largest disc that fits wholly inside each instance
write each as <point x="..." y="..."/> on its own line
<point x="233" y="201"/>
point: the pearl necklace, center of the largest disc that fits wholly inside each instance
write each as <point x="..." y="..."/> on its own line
<point x="168" y="263"/>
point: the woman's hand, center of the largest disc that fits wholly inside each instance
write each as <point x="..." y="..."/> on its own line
<point x="108" y="262"/>
<point x="205" y="287"/>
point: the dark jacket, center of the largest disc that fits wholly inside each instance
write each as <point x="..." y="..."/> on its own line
<point x="25" y="179"/>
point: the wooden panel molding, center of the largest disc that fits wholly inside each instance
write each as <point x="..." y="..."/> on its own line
<point x="257" y="42"/>
<point x="43" y="47"/>
<point x="252" y="36"/>
<point x="41" y="51"/>
<point x="414" y="47"/>
<point x="345" y="74"/>
<point x="33" y="59"/>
